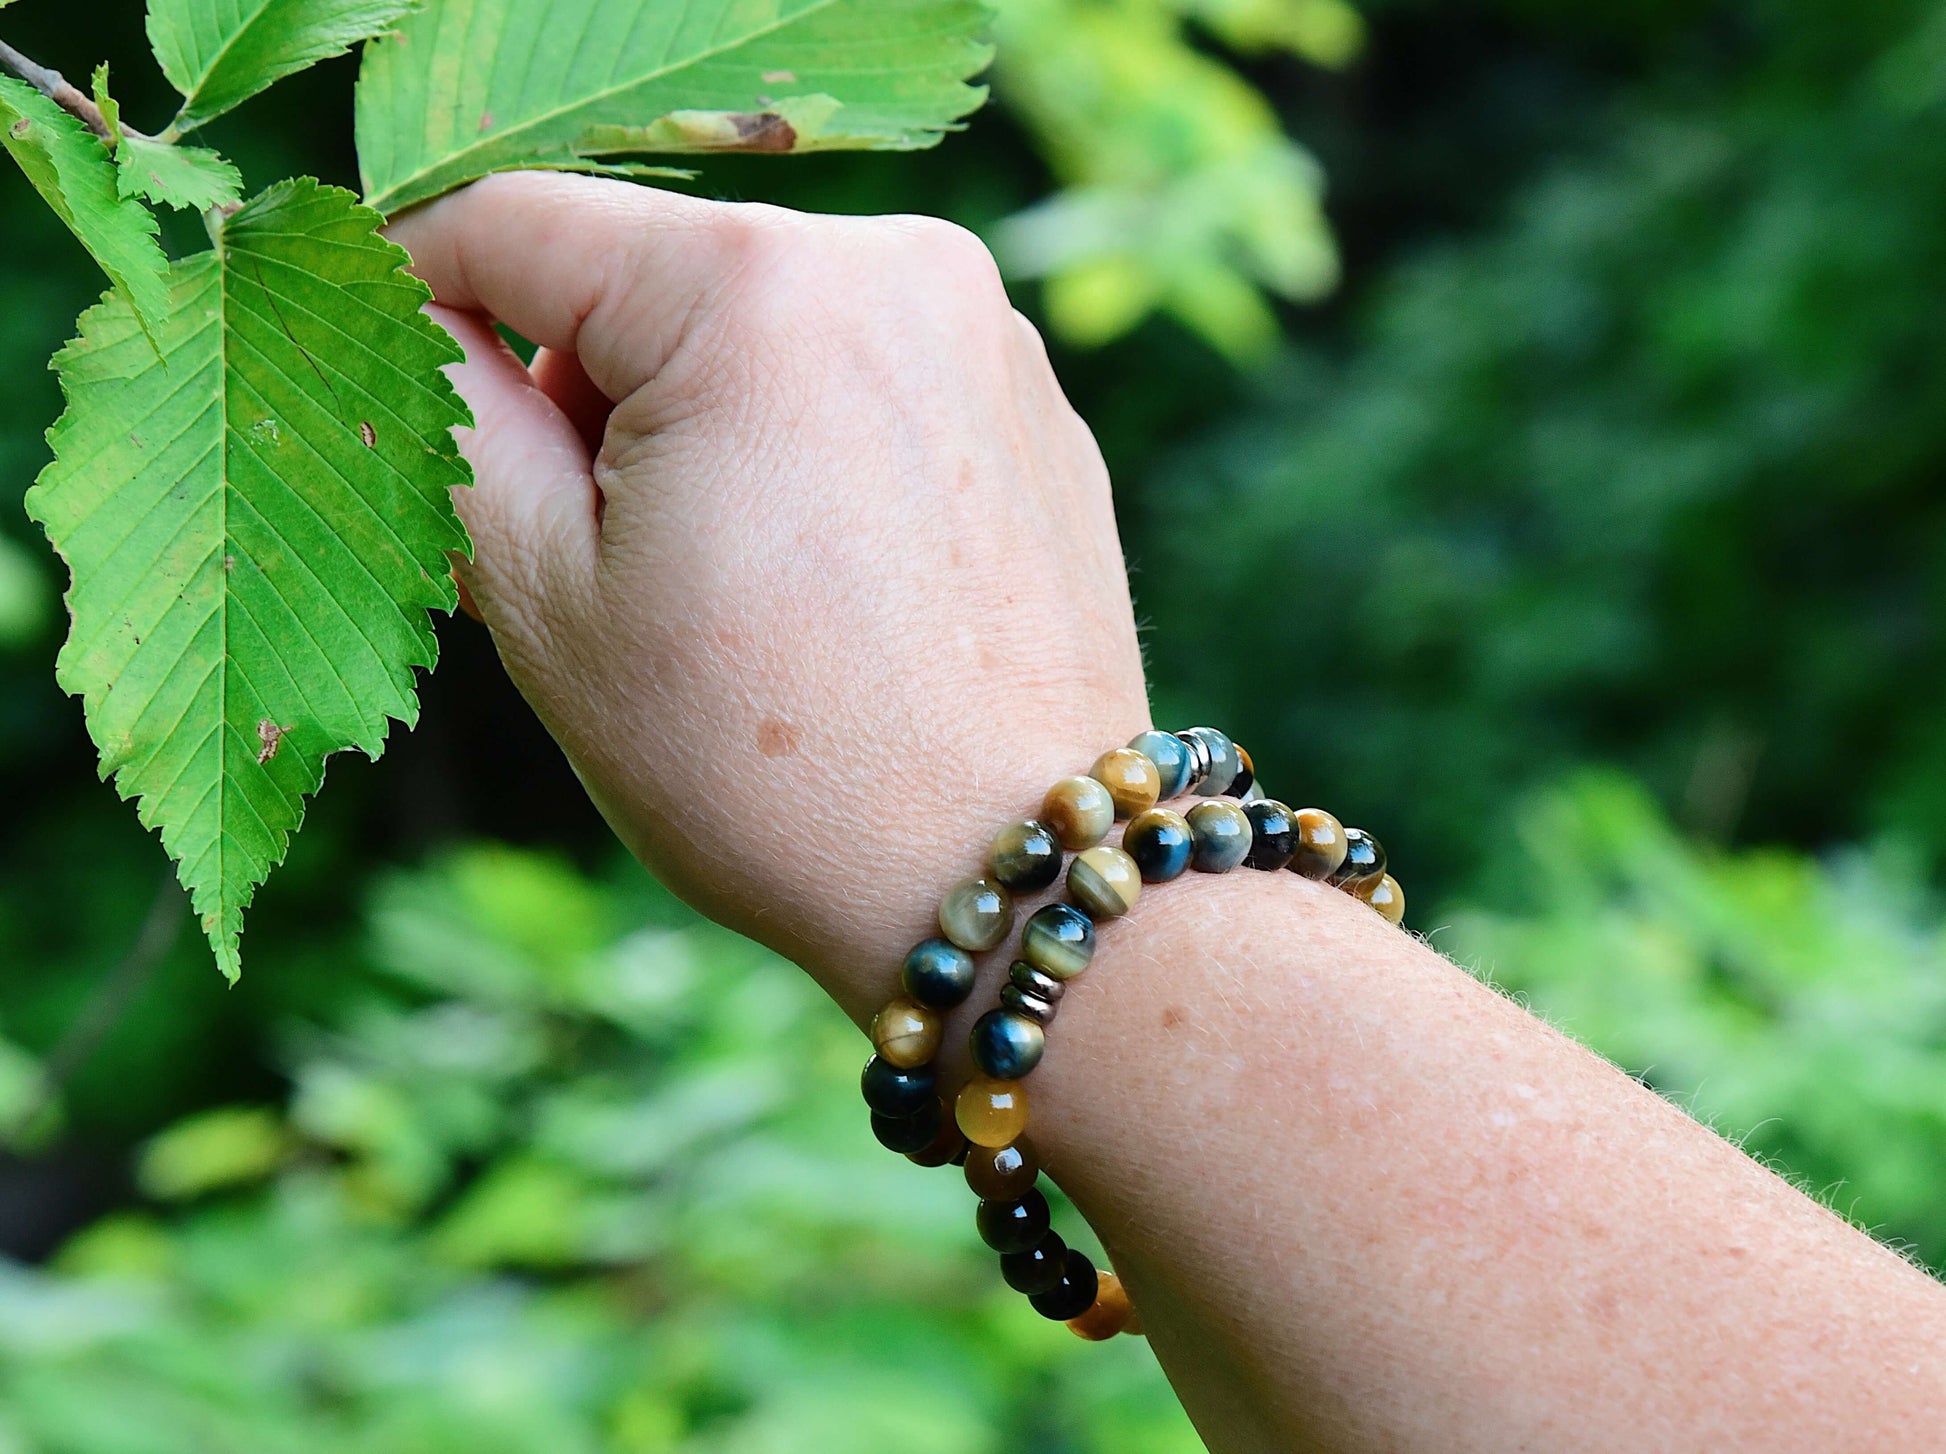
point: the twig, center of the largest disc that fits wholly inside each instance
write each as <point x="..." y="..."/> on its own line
<point x="105" y="1008"/>
<point x="58" y="89"/>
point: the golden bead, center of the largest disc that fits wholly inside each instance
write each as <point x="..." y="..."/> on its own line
<point x="906" y="1034"/>
<point x="1002" y="1173"/>
<point x="991" y="1112"/>
<point x="1131" y="779"/>
<point x="1320" y="844"/>
<point x="1108" y="1316"/>
<point x="1080" y="811"/>
<point x="1105" y="882"/>
<point x="1384" y="894"/>
<point x="976" y="915"/>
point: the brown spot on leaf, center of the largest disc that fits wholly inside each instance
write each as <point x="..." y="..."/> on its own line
<point x="229" y="564"/>
<point x="780" y="78"/>
<point x="486" y="121"/>
<point x="270" y="735"/>
<point x="761" y="131"/>
<point x="776" y="737"/>
<point x="20" y="128"/>
<point x="368" y="434"/>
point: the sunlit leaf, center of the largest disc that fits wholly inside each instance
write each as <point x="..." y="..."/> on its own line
<point x="257" y="524"/>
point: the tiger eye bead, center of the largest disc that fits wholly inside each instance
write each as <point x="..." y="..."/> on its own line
<point x="897" y="1090"/>
<point x="1171" y="758"/>
<point x="1364" y="860"/>
<point x="1131" y="779"/>
<point x="1109" y="1313"/>
<point x="1079" y="810"/>
<point x="937" y="974"/>
<point x="1104" y="881"/>
<point x="1037" y="1270"/>
<point x="991" y="1112"/>
<point x="1059" y="940"/>
<point x="1025" y="857"/>
<point x="976" y="915"/>
<point x="1246" y="777"/>
<point x="907" y="1134"/>
<point x="1320" y="844"/>
<point x="906" y="1034"/>
<point x="1385" y="895"/>
<point x="1159" y="842"/>
<point x="1014" y="1226"/>
<point x="1074" y="1294"/>
<point x="1273" y="833"/>
<point x="1002" y="1173"/>
<point x="1007" y="1046"/>
<point x="944" y="1147"/>
<point x="1221" y="755"/>
<point x="1220" y="835"/>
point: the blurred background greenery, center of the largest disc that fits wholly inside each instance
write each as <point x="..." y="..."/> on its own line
<point x="1527" y="418"/>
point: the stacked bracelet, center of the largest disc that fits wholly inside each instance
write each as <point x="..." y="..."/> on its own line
<point x="1234" y="825"/>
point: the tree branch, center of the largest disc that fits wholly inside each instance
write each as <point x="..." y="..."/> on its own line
<point x="57" y="88"/>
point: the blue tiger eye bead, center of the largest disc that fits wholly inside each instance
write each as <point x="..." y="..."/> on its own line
<point x="1059" y="940"/>
<point x="1170" y="754"/>
<point x="1246" y="777"/>
<point x="1159" y="841"/>
<point x="938" y="974"/>
<point x="1224" y="764"/>
<point x="1006" y="1045"/>
<point x="1220" y="833"/>
<point x="1025" y="857"/>
<point x="1273" y="833"/>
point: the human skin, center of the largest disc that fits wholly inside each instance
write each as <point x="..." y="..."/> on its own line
<point x="791" y="539"/>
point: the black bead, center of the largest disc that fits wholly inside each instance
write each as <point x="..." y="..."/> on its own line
<point x="1246" y="774"/>
<point x="938" y="974"/>
<point x="1014" y="1226"/>
<point x="1038" y="1269"/>
<point x="1273" y="833"/>
<point x="890" y="1091"/>
<point x="1074" y="1294"/>
<point x="1364" y="859"/>
<point x="907" y="1134"/>
<point x="1026" y="858"/>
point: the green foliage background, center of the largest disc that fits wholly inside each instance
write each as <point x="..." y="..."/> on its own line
<point x="1586" y="542"/>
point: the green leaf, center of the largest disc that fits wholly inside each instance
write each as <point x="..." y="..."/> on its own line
<point x="443" y="102"/>
<point x="256" y="524"/>
<point x="190" y="178"/>
<point x="220" y="53"/>
<point x="72" y="170"/>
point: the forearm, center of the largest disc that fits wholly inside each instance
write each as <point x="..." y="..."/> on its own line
<point x="1365" y="1202"/>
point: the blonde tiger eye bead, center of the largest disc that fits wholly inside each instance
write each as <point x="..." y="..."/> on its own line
<point x="1321" y="844"/>
<point x="1105" y="882"/>
<point x="1110" y="1313"/>
<point x="1131" y="779"/>
<point x="991" y="1112"/>
<point x="1385" y="895"/>
<point x="906" y="1034"/>
<point x="1079" y="810"/>
<point x="976" y="915"/>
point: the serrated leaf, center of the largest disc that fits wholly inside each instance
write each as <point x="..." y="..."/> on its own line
<point x="470" y="87"/>
<point x="219" y="53"/>
<point x="256" y="524"/>
<point x="73" y="172"/>
<point x="190" y="178"/>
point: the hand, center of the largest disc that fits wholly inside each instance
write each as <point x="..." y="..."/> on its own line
<point x="790" y="538"/>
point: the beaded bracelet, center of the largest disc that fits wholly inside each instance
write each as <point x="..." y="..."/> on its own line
<point x="1235" y="825"/>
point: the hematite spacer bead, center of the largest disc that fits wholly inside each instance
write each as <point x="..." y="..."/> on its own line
<point x="907" y="1134"/>
<point x="1029" y="980"/>
<point x="1246" y="777"/>
<point x="1002" y="1173"/>
<point x="1021" y="1002"/>
<point x="1364" y="860"/>
<point x="1159" y="841"/>
<point x="1038" y="1269"/>
<point x="1059" y="940"/>
<point x="938" y="974"/>
<point x="1220" y="832"/>
<point x="1005" y="1045"/>
<point x="1273" y="833"/>
<point x="1220" y="755"/>
<point x="976" y="915"/>
<point x="897" y="1091"/>
<point x="1025" y="857"/>
<point x="1320" y="844"/>
<point x="1074" y="1294"/>
<point x="1170" y="754"/>
<point x="1014" y="1226"/>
